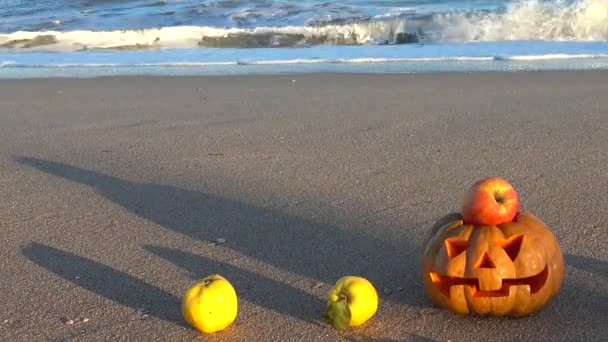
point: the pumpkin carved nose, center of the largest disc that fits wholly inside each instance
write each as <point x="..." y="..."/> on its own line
<point x="485" y="261"/>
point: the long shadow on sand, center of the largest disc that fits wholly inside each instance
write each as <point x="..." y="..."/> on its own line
<point x="252" y="287"/>
<point x="318" y="251"/>
<point x="593" y="299"/>
<point x="106" y="281"/>
<point x="597" y="267"/>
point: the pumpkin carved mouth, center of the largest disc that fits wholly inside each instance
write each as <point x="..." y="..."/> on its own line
<point x="535" y="282"/>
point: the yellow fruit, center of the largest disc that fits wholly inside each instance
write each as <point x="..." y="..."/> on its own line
<point x="351" y="302"/>
<point x="210" y="305"/>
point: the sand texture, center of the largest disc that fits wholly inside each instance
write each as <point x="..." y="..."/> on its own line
<point x="115" y="192"/>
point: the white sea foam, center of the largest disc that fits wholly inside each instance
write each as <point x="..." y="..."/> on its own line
<point x="550" y="57"/>
<point x="388" y="60"/>
<point x="374" y="31"/>
<point x="555" y="20"/>
<point x="582" y="20"/>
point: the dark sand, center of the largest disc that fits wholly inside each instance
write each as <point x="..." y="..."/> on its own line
<point x="113" y="190"/>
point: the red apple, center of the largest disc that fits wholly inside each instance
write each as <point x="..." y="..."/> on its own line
<point x="490" y="201"/>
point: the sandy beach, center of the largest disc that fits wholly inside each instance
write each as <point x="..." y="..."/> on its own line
<point x="116" y="190"/>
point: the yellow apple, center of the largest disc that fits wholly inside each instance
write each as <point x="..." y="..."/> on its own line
<point x="210" y="305"/>
<point x="351" y="302"/>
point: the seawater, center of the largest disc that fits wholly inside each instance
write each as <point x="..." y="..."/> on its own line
<point x="111" y="37"/>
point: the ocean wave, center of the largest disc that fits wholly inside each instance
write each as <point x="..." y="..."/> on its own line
<point x="557" y="20"/>
<point x="582" y="20"/>
<point x="366" y="32"/>
<point x="7" y="63"/>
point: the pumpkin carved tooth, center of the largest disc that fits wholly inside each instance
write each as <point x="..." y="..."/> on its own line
<point x="535" y="282"/>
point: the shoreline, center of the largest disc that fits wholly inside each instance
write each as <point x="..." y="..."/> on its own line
<point x="322" y="74"/>
<point x="386" y="68"/>
<point x="465" y="57"/>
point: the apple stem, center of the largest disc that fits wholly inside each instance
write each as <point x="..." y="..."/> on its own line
<point x="499" y="198"/>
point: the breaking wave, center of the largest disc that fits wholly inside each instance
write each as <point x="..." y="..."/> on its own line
<point x="557" y="20"/>
<point x="583" y="20"/>
<point x="359" y="33"/>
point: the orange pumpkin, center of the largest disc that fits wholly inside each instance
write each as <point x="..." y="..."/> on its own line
<point x="513" y="269"/>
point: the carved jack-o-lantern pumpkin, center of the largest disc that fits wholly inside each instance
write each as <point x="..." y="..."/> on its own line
<point x="513" y="268"/>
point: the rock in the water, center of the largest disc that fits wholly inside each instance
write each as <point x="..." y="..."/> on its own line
<point x="257" y="40"/>
<point x="406" y="38"/>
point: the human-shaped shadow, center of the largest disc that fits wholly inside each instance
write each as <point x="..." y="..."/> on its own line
<point x="597" y="267"/>
<point x="581" y="304"/>
<point x="593" y="299"/>
<point x="252" y="287"/>
<point x="106" y="282"/>
<point x="319" y="251"/>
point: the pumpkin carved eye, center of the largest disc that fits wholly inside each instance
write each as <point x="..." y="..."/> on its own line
<point x="455" y="246"/>
<point x="512" y="245"/>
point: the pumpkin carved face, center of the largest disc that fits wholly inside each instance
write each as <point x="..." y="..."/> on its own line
<point x="513" y="268"/>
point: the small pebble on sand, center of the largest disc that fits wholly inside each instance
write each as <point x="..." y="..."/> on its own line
<point x="317" y="285"/>
<point x="387" y="291"/>
<point x="142" y="313"/>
